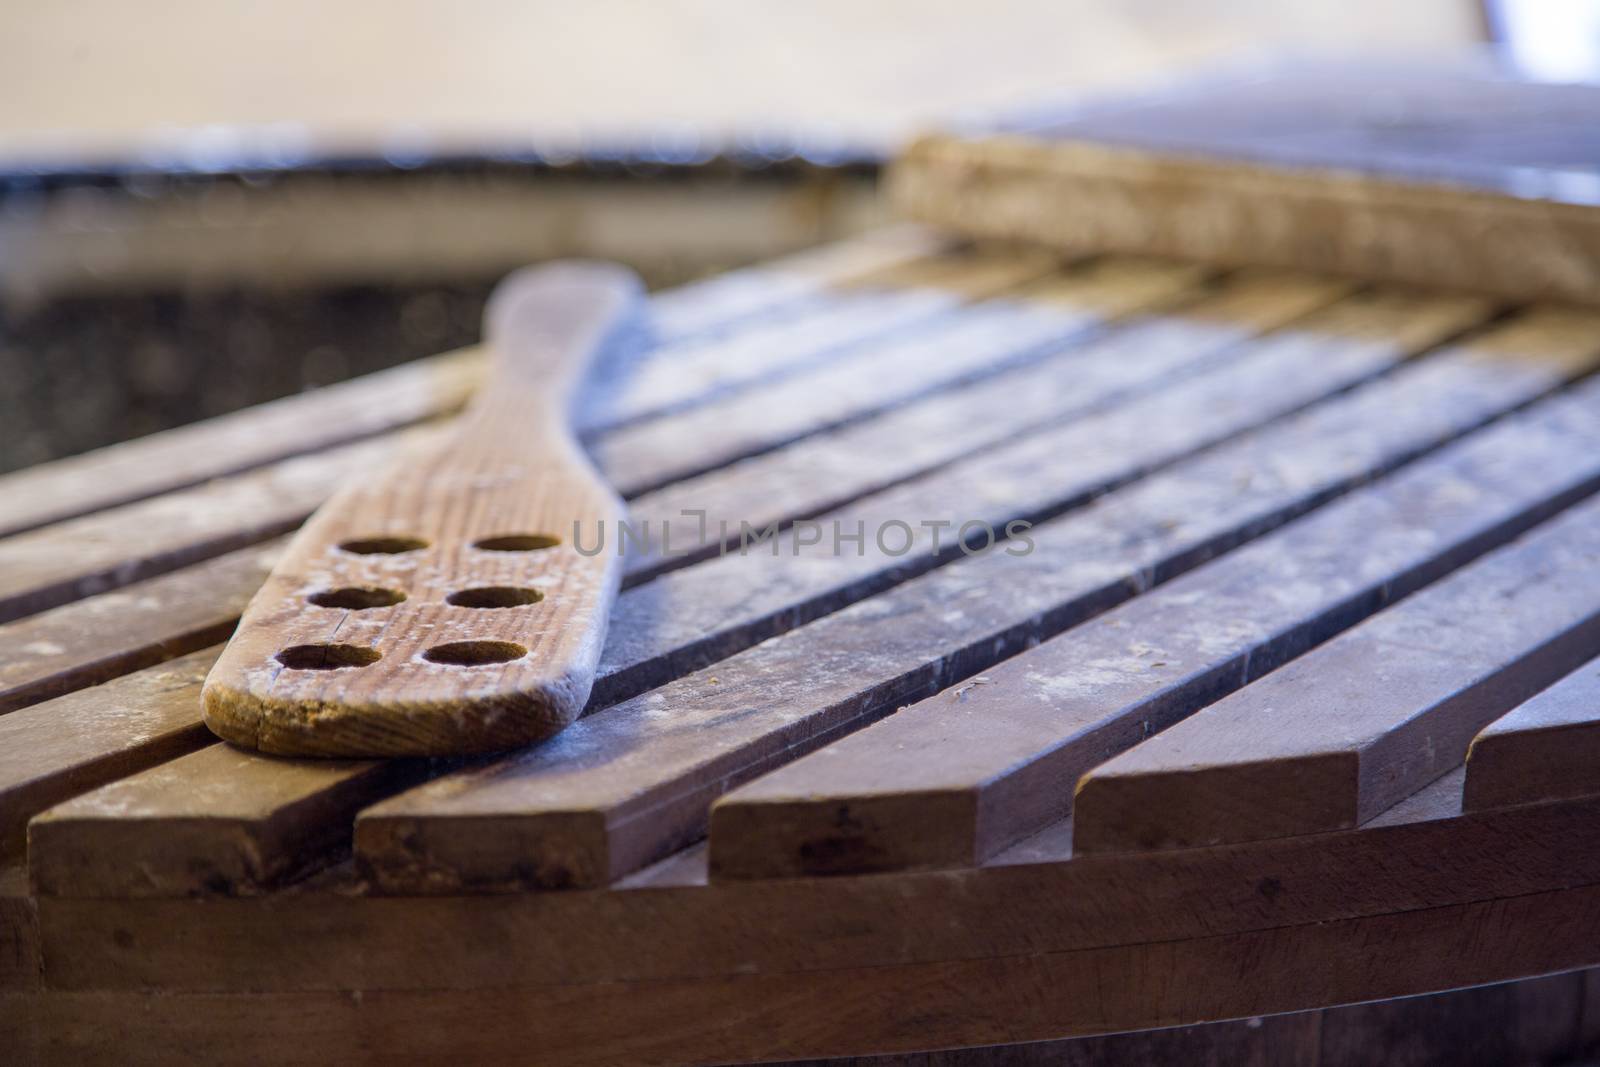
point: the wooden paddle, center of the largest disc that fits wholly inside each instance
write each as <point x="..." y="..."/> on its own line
<point x="441" y="606"/>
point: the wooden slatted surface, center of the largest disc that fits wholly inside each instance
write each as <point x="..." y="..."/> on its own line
<point x="1270" y="551"/>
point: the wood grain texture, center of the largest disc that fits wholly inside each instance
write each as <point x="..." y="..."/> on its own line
<point x="330" y="933"/>
<point x="1547" y="748"/>
<point x="962" y="775"/>
<point x="97" y="553"/>
<point x="1233" y="171"/>
<point x="851" y="1011"/>
<point x="69" y="745"/>
<point x="729" y="299"/>
<point x="21" y="964"/>
<point x="631" y="783"/>
<point x="216" y="838"/>
<point x="1348" y="729"/>
<point x="703" y="613"/>
<point x="442" y="606"/>
<point x="101" y="637"/>
<point x="863" y="311"/>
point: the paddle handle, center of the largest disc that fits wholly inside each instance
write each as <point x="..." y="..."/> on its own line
<point x="547" y="325"/>
<point x="441" y="606"/>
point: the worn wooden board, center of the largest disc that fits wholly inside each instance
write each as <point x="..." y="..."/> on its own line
<point x="102" y="637"/>
<point x="82" y="557"/>
<point x="960" y="776"/>
<point x="813" y="924"/>
<point x="628" y="784"/>
<point x="1543" y="749"/>
<point x="1397" y="172"/>
<point x="71" y="744"/>
<point x="199" y="814"/>
<point x="20" y="961"/>
<point x="1347" y="730"/>
<point x="845" y="1011"/>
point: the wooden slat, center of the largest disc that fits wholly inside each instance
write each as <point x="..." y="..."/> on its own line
<point x="958" y="777"/>
<point x="830" y="469"/>
<point x="964" y="1001"/>
<point x="20" y="962"/>
<point x="706" y="612"/>
<point x="97" y="639"/>
<point x="216" y="840"/>
<point x="974" y="342"/>
<point x="1547" y="748"/>
<point x="727" y="300"/>
<point x="861" y="312"/>
<point x="110" y="549"/>
<point x="72" y="744"/>
<point x="1350" y="728"/>
<point x="1290" y="165"/>
<point x="629" y="784"/>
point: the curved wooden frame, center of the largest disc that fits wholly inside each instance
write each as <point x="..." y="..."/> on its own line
<point x="1030" y="948"/>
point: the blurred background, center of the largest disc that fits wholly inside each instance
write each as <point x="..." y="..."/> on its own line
<point x="204" y="205"/>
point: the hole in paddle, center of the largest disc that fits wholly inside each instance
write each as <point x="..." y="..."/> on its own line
<point x="357" y="597"/>
<point x="494" y="596"/>
<point x="382" y="546"/>
<point x="517" y="543"/>
<point x="327" y="657"/>
<point x="474" y="653"/>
